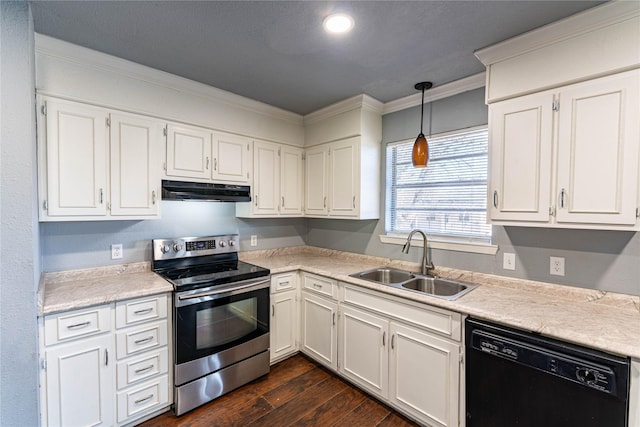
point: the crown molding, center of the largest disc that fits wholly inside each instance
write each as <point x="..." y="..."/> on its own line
<point x="446" y="90"/>
<point x="572" y="26"/>
<point x="363" y="101"/>
<point x="89" y="58"/>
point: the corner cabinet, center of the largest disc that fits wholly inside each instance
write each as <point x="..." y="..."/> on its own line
<point x="341" y="180"/>
<point x="277" y="182"/>
<point x="318" y="319"/>
<point x="97" y="164"/>
<point x="201" y="154"/>
<point x="285" y="309"/>
<point x="568" y="158"/>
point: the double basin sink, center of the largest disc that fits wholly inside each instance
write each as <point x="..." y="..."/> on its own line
<point x="428" y="285"/>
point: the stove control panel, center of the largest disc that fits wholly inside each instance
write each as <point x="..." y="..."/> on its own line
<point x="186" y="247"/>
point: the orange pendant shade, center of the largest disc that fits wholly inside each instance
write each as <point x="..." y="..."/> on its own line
<point x="420" y="155"/>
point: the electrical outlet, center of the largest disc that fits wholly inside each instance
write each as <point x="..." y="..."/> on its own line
<point x="116" y="251"/>
<point x="254" y="240"/>
<point x="509" y="261"/>
<point x="556" y="266"/>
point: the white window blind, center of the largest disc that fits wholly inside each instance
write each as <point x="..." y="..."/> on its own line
<point x="448" y="197"/>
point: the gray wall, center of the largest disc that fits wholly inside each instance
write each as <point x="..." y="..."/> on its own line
<point x="607" y="260"/>
<point x="18" y="230"/>
<point x="71" y="245"/>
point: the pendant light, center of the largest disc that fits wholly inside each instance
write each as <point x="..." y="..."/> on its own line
<point x="420" y="155"/>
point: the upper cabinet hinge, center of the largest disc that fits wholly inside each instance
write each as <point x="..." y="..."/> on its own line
<point x="637" y="212"/>
<point x="556" y="105"/>
<point x="248" y="147"/>
<point x="461" y="358"/>
<point x="108" y="206"/>
<point x="164" y="166"/>
<point x="552" y="211"/>
<point x="108" y="121"/>
<point x="164" y="131"/>
<point x="43" y="109"/>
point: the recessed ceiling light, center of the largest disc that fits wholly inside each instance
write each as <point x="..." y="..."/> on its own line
<point x="338" y="23"/>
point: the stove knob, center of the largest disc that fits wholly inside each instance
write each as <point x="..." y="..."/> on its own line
<point x="232" y="243"/>
<point x="177" y="247"/>
<point x="223" y="243"/>
<point x="165" y="248"/>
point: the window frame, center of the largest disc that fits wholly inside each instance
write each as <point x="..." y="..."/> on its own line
<point x="436" y="241"/>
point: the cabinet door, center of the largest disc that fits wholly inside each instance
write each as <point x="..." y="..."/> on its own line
<point x="231" y="158"/>
<point x="291" y="181"/>
<point x="521" y="138"/>
<point x="363" y="349"/>
<point x="598" y="151"/>
<point x="424" y="374"/>
<point x="188" y="152"/>
<point x="136" y="144"/>
<point x="80" y="383"/>
<point x="266" y="182"/>
<point x="343" y="177"/>
<point x="318" y="335"/>
<point x="77" y="159"/>
<point x="316" y="181"/>
<point x="284" y="324"/>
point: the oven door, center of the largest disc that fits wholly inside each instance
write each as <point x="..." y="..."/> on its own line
<point x="219" y="326"/>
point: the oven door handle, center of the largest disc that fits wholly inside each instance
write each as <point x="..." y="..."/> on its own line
<point x="247" y="287"/>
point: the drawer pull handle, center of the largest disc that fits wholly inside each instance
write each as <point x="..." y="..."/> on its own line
<point x="273" y="310"/>
<point x="384" y="338"/>
<point x="143" y="311"/>
<point x="562" y="198"/>
<point x="495" y="199"/>
<point x="315" y="285"/>
<point x="79" y="325"/>
<point x="334" y="319"/>
<point x="145" y="369"/>
<point x="393" y="339"/>
<point x="144" y="399"/>
<point x="144" y="340"/>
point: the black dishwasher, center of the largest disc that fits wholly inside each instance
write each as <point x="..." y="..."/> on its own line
<point x="515" y="378"/>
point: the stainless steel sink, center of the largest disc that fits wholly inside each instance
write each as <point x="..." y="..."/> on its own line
<point x="443" y="288"/>
<point x="428" y="285"/>
<point x="385" y="275"/>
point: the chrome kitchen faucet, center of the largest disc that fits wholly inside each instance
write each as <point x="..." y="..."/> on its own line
<point x="426" y="264"/>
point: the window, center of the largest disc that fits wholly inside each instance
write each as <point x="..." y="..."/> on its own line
<point x="448" y="198"/>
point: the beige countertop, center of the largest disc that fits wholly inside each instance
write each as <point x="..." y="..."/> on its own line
<point x="598" y="319"/>
<point x="68" y="290"/>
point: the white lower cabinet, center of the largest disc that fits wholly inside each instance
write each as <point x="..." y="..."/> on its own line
<point x="285" y="314"/>
<point x="406" y="354"/>
<point x="79" y="383"/>
<point x="106" y="365"/>
<point x="318" y="326"/>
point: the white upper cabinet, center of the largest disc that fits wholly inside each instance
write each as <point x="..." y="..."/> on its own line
<point x="598" y="145"/>
<point x="136" y="159"/>
<point x="199" y="154"/>
<point x="231" y="158"/>
<point x="563" y="123"/>
<point x="97" y="164"/>
<point x="597" y="141"/>
<point x="188" y="152"/>
<point x="74" y="159"/>
<point x="277" y="181"/>
<point x="343" y="160"/>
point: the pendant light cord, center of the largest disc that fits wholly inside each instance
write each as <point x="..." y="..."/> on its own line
<point x="422" y="110"/>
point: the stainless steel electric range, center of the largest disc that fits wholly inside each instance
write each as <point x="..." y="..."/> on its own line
<point x="221" y="316"/>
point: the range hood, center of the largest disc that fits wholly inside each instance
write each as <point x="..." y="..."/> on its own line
<point x="200" y="191"/>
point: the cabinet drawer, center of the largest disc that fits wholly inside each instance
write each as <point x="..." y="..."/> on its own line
<point x="321" y="285"/>
<point x="140" y="310"/>
<point x="136" y="369"/>
<point x="75" y="324"/>
<point x="151" y="395"/>
<point x="444" y="322"/>
<point x="134" y="340"/>
<point x="283" y="282"/>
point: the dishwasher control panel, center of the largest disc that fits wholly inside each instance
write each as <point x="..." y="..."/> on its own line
<point x="565" y="366"/>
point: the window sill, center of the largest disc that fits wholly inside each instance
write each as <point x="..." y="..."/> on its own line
<point x="471" y="247"/>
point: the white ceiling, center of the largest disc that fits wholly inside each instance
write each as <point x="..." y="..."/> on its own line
<point x="276" y="51"/>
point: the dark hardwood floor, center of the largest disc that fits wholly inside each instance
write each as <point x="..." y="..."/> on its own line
<point x="297" y="392"/>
